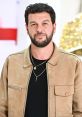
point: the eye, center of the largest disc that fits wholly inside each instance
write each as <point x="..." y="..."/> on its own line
<point x="33" y="24"/>
<point x="45" y="24"/>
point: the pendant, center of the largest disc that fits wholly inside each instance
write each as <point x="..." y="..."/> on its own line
<point x="36" y="78"/>
<point x="35" y="68"/>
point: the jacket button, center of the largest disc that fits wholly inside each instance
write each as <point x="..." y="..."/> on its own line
<point x="67" y="93"/>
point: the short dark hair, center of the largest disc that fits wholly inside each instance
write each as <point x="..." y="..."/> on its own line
<point x="38" y="8"/>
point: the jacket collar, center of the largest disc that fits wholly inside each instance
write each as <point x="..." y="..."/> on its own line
<point x="55" y="56"/>
<point x="53" y="60"/>
<point x="27" y="62"/>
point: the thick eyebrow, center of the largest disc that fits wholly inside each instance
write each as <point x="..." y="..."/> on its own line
<point x="31" y="22"/>
<point x="46" y="20"/>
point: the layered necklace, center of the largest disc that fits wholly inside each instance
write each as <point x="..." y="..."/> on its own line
<point x="35" y="67"/>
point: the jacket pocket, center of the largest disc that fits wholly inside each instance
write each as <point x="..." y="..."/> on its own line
<point x="63" y="100"/>
<point x="64" y="91"/>
<point x="16" y="99"/>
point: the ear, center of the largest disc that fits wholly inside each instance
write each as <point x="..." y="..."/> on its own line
<point x="26" y="27"/>
<point x="54" y="27"/>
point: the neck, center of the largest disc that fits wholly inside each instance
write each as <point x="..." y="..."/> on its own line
<point x="42" y="53"/>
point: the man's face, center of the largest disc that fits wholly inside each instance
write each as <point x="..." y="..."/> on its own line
<point x="40" y="29"/>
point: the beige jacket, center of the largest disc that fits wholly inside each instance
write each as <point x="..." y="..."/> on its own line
<point x="64" y="75"/>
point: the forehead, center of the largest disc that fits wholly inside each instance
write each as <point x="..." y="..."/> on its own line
<point x="39" y="16"/>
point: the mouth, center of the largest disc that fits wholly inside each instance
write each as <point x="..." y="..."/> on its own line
<point x="40" y="36"/>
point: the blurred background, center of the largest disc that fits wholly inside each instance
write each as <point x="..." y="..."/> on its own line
<point x="13" y="35"/>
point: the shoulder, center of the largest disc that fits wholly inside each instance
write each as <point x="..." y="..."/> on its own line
<point x="17" y="56"/>
<point x="69" y="56"/>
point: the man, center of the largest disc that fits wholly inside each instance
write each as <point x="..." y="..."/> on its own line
<point x="41" y="81"/>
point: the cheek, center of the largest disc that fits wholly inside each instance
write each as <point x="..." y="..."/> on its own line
<point x="49" y="31"/>
<point x="31" y="32"/>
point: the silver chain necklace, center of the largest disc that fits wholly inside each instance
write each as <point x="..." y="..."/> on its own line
<point x="39" y="74"/>
<point x="35" y="67"/>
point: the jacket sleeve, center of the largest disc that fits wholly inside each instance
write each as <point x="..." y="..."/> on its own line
<point x="77" y="98"/>
<point x="3" y="92"/>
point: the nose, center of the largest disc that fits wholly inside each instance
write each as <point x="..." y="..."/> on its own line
<point x="39" y="28"/>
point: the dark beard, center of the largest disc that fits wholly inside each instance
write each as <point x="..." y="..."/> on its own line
<point x="43" y="43"/>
